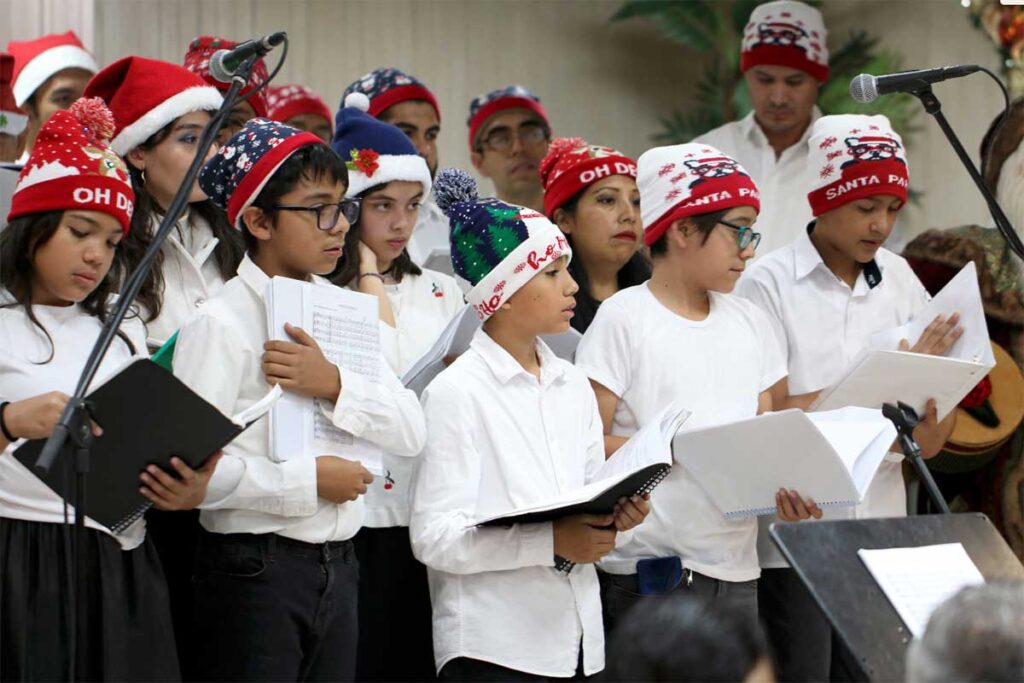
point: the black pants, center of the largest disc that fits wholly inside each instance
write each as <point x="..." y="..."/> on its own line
<point x="799" y="633"/>
<point x="272" y="609"/>
<point x="175" y="536"/>
<point x="620" y="594"/>
<point x="128" y="635"/>
<point x="395" y="636"/>
<point x="466" y="669"/>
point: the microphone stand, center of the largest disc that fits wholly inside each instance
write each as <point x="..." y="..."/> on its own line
<point x="905" y="418"/>
<point x="73" y="433"/>
<point x="934" y="108"/>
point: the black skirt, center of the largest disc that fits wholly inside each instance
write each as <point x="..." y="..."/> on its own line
<point x="129" y="634"/>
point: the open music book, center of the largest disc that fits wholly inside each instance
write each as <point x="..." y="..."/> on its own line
<point x="830" y="457"/>
<point x="345" y="325"/>
<point x="148" y="416"/>
<point x="455" y="339"/>
<point x="882" y="374"/>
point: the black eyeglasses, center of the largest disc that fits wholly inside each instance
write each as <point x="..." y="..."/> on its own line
<point x="530" y="134"/>
<point x="327" y="214"/>
<point x="746" y="236"/>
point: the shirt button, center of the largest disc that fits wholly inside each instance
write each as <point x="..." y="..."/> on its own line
<point x="200" y="301"/>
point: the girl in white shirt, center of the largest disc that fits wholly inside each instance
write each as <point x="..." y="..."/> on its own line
<point x="682" y="337"/>
<point x="510" y="424"/>
<point x="389" y="180"/>
<point x="160" y="109"/>
<point x="58" y="268"/>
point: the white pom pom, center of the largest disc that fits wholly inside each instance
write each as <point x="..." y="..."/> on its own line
<point x="357" y="100"/>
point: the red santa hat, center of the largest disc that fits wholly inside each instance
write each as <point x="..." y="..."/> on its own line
<point x="72" y="167"/>
<point x="572" y="165"/>
<point x="12" y="119"/>
<point x="288" y="101"/>
<point x="147" y="94"/>
<point x="786" y="33"/>
<point x="197" y="60"/>
<point x="36" y="60"/>
<point x="689" y="180"/>
<point x="853" y="156"/>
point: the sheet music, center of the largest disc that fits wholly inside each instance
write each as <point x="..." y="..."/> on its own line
<point x="960" y="295"/>
<point x="345" y="325"/>
<point x="918" y="580"/>
<point x="650" y="445"/>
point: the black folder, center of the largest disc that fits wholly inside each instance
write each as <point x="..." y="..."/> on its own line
<point x="147" y="416"/>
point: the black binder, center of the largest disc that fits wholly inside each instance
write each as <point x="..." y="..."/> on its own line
<point x="824" y="555"/>
<point x="147" y="415"/>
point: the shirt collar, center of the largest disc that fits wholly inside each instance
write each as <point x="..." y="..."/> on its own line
<point x="806" y="258"/>
<point x="253" y="276"/>
<point x="505" y="367"/>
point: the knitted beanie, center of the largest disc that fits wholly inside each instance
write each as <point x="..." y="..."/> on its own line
<point x="236" y="175"/>
<point x="287" y="101"/>
<point x="689" y="180"/>
<point x="572" y="165"/>
<point x="786" y="33"/>
<point x="387" y="87"/>
<point x="197" y="60"/>
<point x="485" y="106"/>
<point x="497" y="247"/>
<point x="375" y="152"/>
<point x="853" y="156"/>
<point x="72" y="167"/>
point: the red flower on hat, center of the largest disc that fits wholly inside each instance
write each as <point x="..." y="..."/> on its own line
<point x="363" y="160"/>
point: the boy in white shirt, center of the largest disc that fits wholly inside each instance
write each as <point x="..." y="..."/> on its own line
<point x="276" y="574"/>
<point x="825" y="295"/>
<point x="681" y="337"/>
<point x="511" y="424"/>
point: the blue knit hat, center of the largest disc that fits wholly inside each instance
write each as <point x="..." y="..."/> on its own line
<point x="375" y="152"/>
<point x="497" y="247"/>
<point x="389" y="86"/>
<point x="236" y="175"/>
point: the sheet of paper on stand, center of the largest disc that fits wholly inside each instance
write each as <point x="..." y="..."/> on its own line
<point x="829" y="457"/>
<point x="635" y="468"/>
<point x="918" y="580"/>
<point x="345" y="325"/>
<point x="960" y="295"/>
<point x="455" y="339"/>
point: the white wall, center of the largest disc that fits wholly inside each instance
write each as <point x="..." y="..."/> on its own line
<point x="609" y="83"/>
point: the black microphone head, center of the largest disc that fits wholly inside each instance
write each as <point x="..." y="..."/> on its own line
<point x="863" y="88"/>
<point x="275" y="39"/>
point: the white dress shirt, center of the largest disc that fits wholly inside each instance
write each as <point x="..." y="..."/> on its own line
<point x="423" y="306"/>
<point x="499" y="439"/>
<point x="191" y="275"/>
<point x="822" y="326"/>
<point x="649" y="357"/>
<point x="218" y="354"/>
<point x="781" y="181"/>
<point x="25" y="373"/>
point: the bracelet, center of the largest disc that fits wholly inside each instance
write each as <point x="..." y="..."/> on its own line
<point x="376" y="275"/>
<point x="3" y="426"/>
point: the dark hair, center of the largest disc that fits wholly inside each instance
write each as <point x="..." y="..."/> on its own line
<point x="228" y="252"/>
<point x="348" y="268"/>
<point x="312" y="162"/>
<point x="635" y="271"/>
<point x="1000" y="141"/>
<point x="705" y="223"/>
<point x="19" y="243"/>
<point x="685" y="637"/>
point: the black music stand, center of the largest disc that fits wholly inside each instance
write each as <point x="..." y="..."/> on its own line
<point x="824" y="556"/>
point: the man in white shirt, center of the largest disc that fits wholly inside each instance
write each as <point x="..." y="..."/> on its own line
<point x="784" y="61"/>
<point x="276" y="578"/>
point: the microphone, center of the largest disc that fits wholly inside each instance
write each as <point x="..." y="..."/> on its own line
<point x="224" y="63"/>
<point x="866" y="88"/>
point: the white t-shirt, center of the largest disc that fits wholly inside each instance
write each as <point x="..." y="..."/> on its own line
<point x="648" y="356"/>
<point x="423" y="306"/>
<point x="24" y="373"/>
<point x="822" y="326"/>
